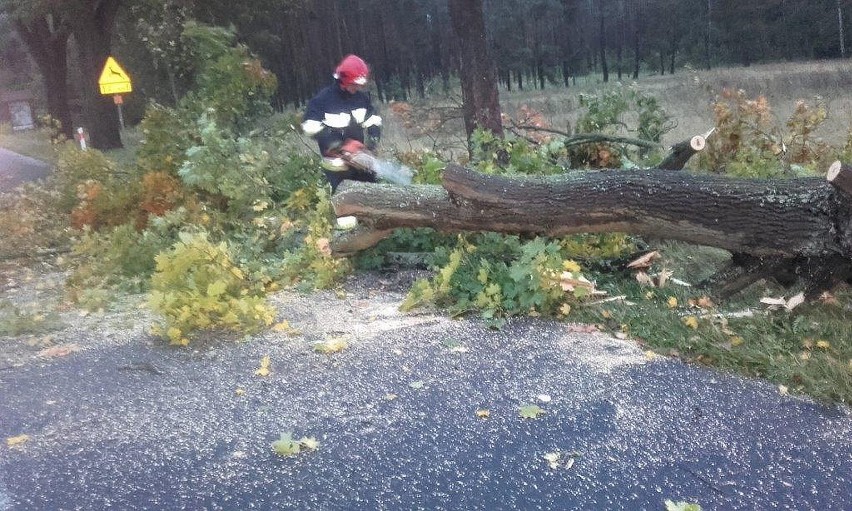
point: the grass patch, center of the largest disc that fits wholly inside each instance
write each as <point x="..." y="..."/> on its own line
<point x="36" y="144"/>
<point x="33" y="143"/>
<point x="808" y="350"/>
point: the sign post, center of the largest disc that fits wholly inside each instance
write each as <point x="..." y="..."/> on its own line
<point x="114" y="81"/>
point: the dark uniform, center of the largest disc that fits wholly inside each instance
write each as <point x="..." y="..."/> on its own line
<point x="334" y="116"/>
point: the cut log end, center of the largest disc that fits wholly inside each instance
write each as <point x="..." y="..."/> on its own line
<point x="681" y="152"/>
<point x="840" y="177"/>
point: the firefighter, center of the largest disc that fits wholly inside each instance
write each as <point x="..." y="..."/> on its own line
<point x="342" y="119"/>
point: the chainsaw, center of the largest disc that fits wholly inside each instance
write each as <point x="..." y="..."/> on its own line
<point x="358" y="156"/>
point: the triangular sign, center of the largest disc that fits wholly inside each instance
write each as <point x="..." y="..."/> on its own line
<point x="114" y="79"/>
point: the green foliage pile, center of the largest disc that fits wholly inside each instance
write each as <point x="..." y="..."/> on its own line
<point x="198" y="286"/>
<point x="501" y="276"/>
<point x="217" y="210"/>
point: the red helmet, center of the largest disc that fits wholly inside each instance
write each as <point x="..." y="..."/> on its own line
<point x="352" y="70"/>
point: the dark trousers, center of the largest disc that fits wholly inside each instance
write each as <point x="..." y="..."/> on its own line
<point x="352" y="174"/>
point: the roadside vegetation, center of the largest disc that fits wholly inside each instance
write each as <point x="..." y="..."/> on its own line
<point x="222" y="203"/>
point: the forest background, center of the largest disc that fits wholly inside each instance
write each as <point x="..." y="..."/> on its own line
<point x="410" y="44"/>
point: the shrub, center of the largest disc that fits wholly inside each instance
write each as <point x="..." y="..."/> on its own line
<point x="749" y="143"/>
<point x="501" y="276"/>
<point x="197" y="286"/>
<point x="75" y="167"/>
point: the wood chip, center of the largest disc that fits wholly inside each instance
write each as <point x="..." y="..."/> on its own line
<point x="645" y="261"/>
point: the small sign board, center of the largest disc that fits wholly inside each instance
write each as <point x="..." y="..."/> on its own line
<point x="22" y="115"/>
<point x="114" y="79"/>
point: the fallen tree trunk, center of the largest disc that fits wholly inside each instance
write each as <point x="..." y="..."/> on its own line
<point x="802" y="219"/>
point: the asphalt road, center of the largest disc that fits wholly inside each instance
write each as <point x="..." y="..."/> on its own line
<point x="16" y="169"/>
<point x="129" y="423"/>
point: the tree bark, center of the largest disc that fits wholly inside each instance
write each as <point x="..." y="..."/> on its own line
<point x="840" y="29"/>
<point x="602" y="47"/>
<point x="93" y="26"/>
<point x="478" y="74"/>
<point x="764" y="218"/>
<point x="48" y="43"/>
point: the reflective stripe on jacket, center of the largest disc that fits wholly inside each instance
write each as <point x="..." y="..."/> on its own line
<point x="334" y="115"/>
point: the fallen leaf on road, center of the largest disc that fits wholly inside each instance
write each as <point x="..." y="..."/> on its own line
<point x="17" y="441"/>
<point x="681" y="506"/>
<point x="483" y="414"/>
<point x="286" y="446"/>
<point x="530" y="411"/>
<point x="417" y="385"/>
<point x="552" y="459"/>
<point x="309" y="443"/>
<point x="286" y="328"/>
<point x="333" y="345"/>
<point x="263" y="370"/>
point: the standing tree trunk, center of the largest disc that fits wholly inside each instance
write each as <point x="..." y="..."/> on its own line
<point x="47" y="42"/>
<point x="621" y="31"/>
<point x="602" y="47"/>
<point x="637" y="49"/>
<point x="93" y="26"/>
<point x="840" y="29"/>
<point x="708" y="34"/>
<point x="478" y="74"/>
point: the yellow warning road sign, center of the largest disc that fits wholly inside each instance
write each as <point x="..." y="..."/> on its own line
<point x="114" y="79"/>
